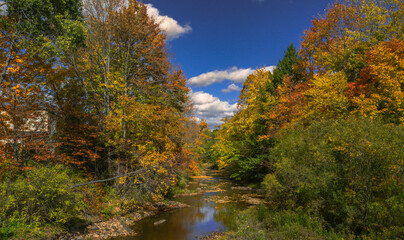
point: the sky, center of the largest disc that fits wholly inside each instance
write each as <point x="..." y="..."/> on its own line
<point x="218" y="43"/>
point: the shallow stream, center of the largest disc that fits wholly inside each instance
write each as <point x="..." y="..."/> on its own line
<point x="212" y="210"/>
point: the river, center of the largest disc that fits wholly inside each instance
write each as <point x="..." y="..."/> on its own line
<point x="211" y="211"/>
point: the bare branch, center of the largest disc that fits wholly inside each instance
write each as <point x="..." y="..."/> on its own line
<point x="110" y="179"/>
<point x="116" y="177"/>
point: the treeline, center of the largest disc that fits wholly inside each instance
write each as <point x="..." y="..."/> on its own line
<point x="324" y="131"/>
<point x="87" y="93"/>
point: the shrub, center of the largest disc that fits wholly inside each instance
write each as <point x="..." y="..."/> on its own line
<point x="258" y="223"/>
<point x="349" y="172"/>
<point x="42" y="196"/>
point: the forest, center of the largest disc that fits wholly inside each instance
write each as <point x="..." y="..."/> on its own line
<point x="324" y="132"/>
<point x="87" y="93"/>
<point x="96" y="120"/>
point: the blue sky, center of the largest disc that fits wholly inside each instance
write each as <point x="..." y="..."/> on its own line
<point x="218" y="43"/>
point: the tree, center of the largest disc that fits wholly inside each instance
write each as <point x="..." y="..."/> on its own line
<point x="129" y="85"/>
<point x="40" y="23"/>
<point x="326" y="45"/>
<point x="241" y="142"/>
<point x="379" y="91"/>
<point x="379" y="20"/>
<point x="348" y="172"/>
<point x="337" y="41"/>
<point x="286" y="67"/>
<point x="32" y="32"/>
<point x="326" y="97"/>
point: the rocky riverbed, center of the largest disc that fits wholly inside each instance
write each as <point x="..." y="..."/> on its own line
<point x="118" y="226"/>
<point x="212" y="200"/>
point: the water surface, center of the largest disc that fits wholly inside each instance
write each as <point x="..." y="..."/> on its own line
<point x="209" y="212"/>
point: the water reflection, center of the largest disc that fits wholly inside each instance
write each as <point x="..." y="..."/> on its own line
<point x="204" y="217"/>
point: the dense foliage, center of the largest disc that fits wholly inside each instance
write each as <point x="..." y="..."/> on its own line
<point x="42" y="197"/>
<point x="343" y="68"/>
<point x="347" y="171"/>
<point x="39" y="198"/>
<point x="260" y="223"/>
<point x="88" y="85"/>
<point x="326" y="127"/>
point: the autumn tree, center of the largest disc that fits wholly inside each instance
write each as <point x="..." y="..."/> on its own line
<point x="335" y="117"/>
<point x="345" y="41"/>
<point x="128" y="83"/>
<point x="378" y="20"/>
<point x="379" y="91"/>
<point x="326" y="97"/>
<point x="327" y="47"/>
<point x="32" y="32"/>
<point x="241" y="142"/>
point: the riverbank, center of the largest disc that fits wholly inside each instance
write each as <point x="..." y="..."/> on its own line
<point x="119" y="226"/>
<point x="214" y="202"/>
<point x="214" y="236"/>
<point x="205" y="210"/>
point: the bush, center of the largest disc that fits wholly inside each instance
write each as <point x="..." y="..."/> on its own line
<point x="43" y="196"/>
<point x="258" y="223"/>
<point x="349" y="172"/>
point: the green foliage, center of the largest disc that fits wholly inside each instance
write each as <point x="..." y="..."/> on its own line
<point x="207" y="154"/>
<point x="17" y="227"/>
<point x="349" y="172"/>
<point x="43" y="28"/>
<point x="261" y="223"/>
<point x="248" y="169"/>
<point x="298" y="123"/>
<point x="47" y="17"/>
<point x="284" y="68"/>
<point x="43" y="196"/>
<point x="241" y="146"/>
<point x="180" y="187"/>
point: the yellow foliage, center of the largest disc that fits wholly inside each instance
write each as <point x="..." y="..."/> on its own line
<point x="326" y="97"/>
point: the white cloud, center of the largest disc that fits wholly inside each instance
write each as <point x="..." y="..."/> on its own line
<point x="231" y="88"/>
<point x="167" y="24"/>
<point x="237" y="75"/>
<point x="211" y="108"/>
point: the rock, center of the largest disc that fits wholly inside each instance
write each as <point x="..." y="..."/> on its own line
<point x="253" y="199"/>
<point x="124" y="226"/>
<point x="213" y="236"/>
<point x="242" y="188"/>
<point x="214" y="190"/>
<point x="202" y="177"/>
<point x="159" y="222"/>
<point x="188" y="194"/>
<point x="221" y="200"/>
<point x="150" y="207"/>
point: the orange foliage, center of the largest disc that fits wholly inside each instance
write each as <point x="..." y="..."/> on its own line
<point x="291" y="102"/>
<point x="379" y="91"/>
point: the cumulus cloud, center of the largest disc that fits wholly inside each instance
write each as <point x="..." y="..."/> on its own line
<point x="167" y="24"/>
<point x="231" y="88"/>
<point x="237" y="75"/>
<point x="211" y="108"/>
